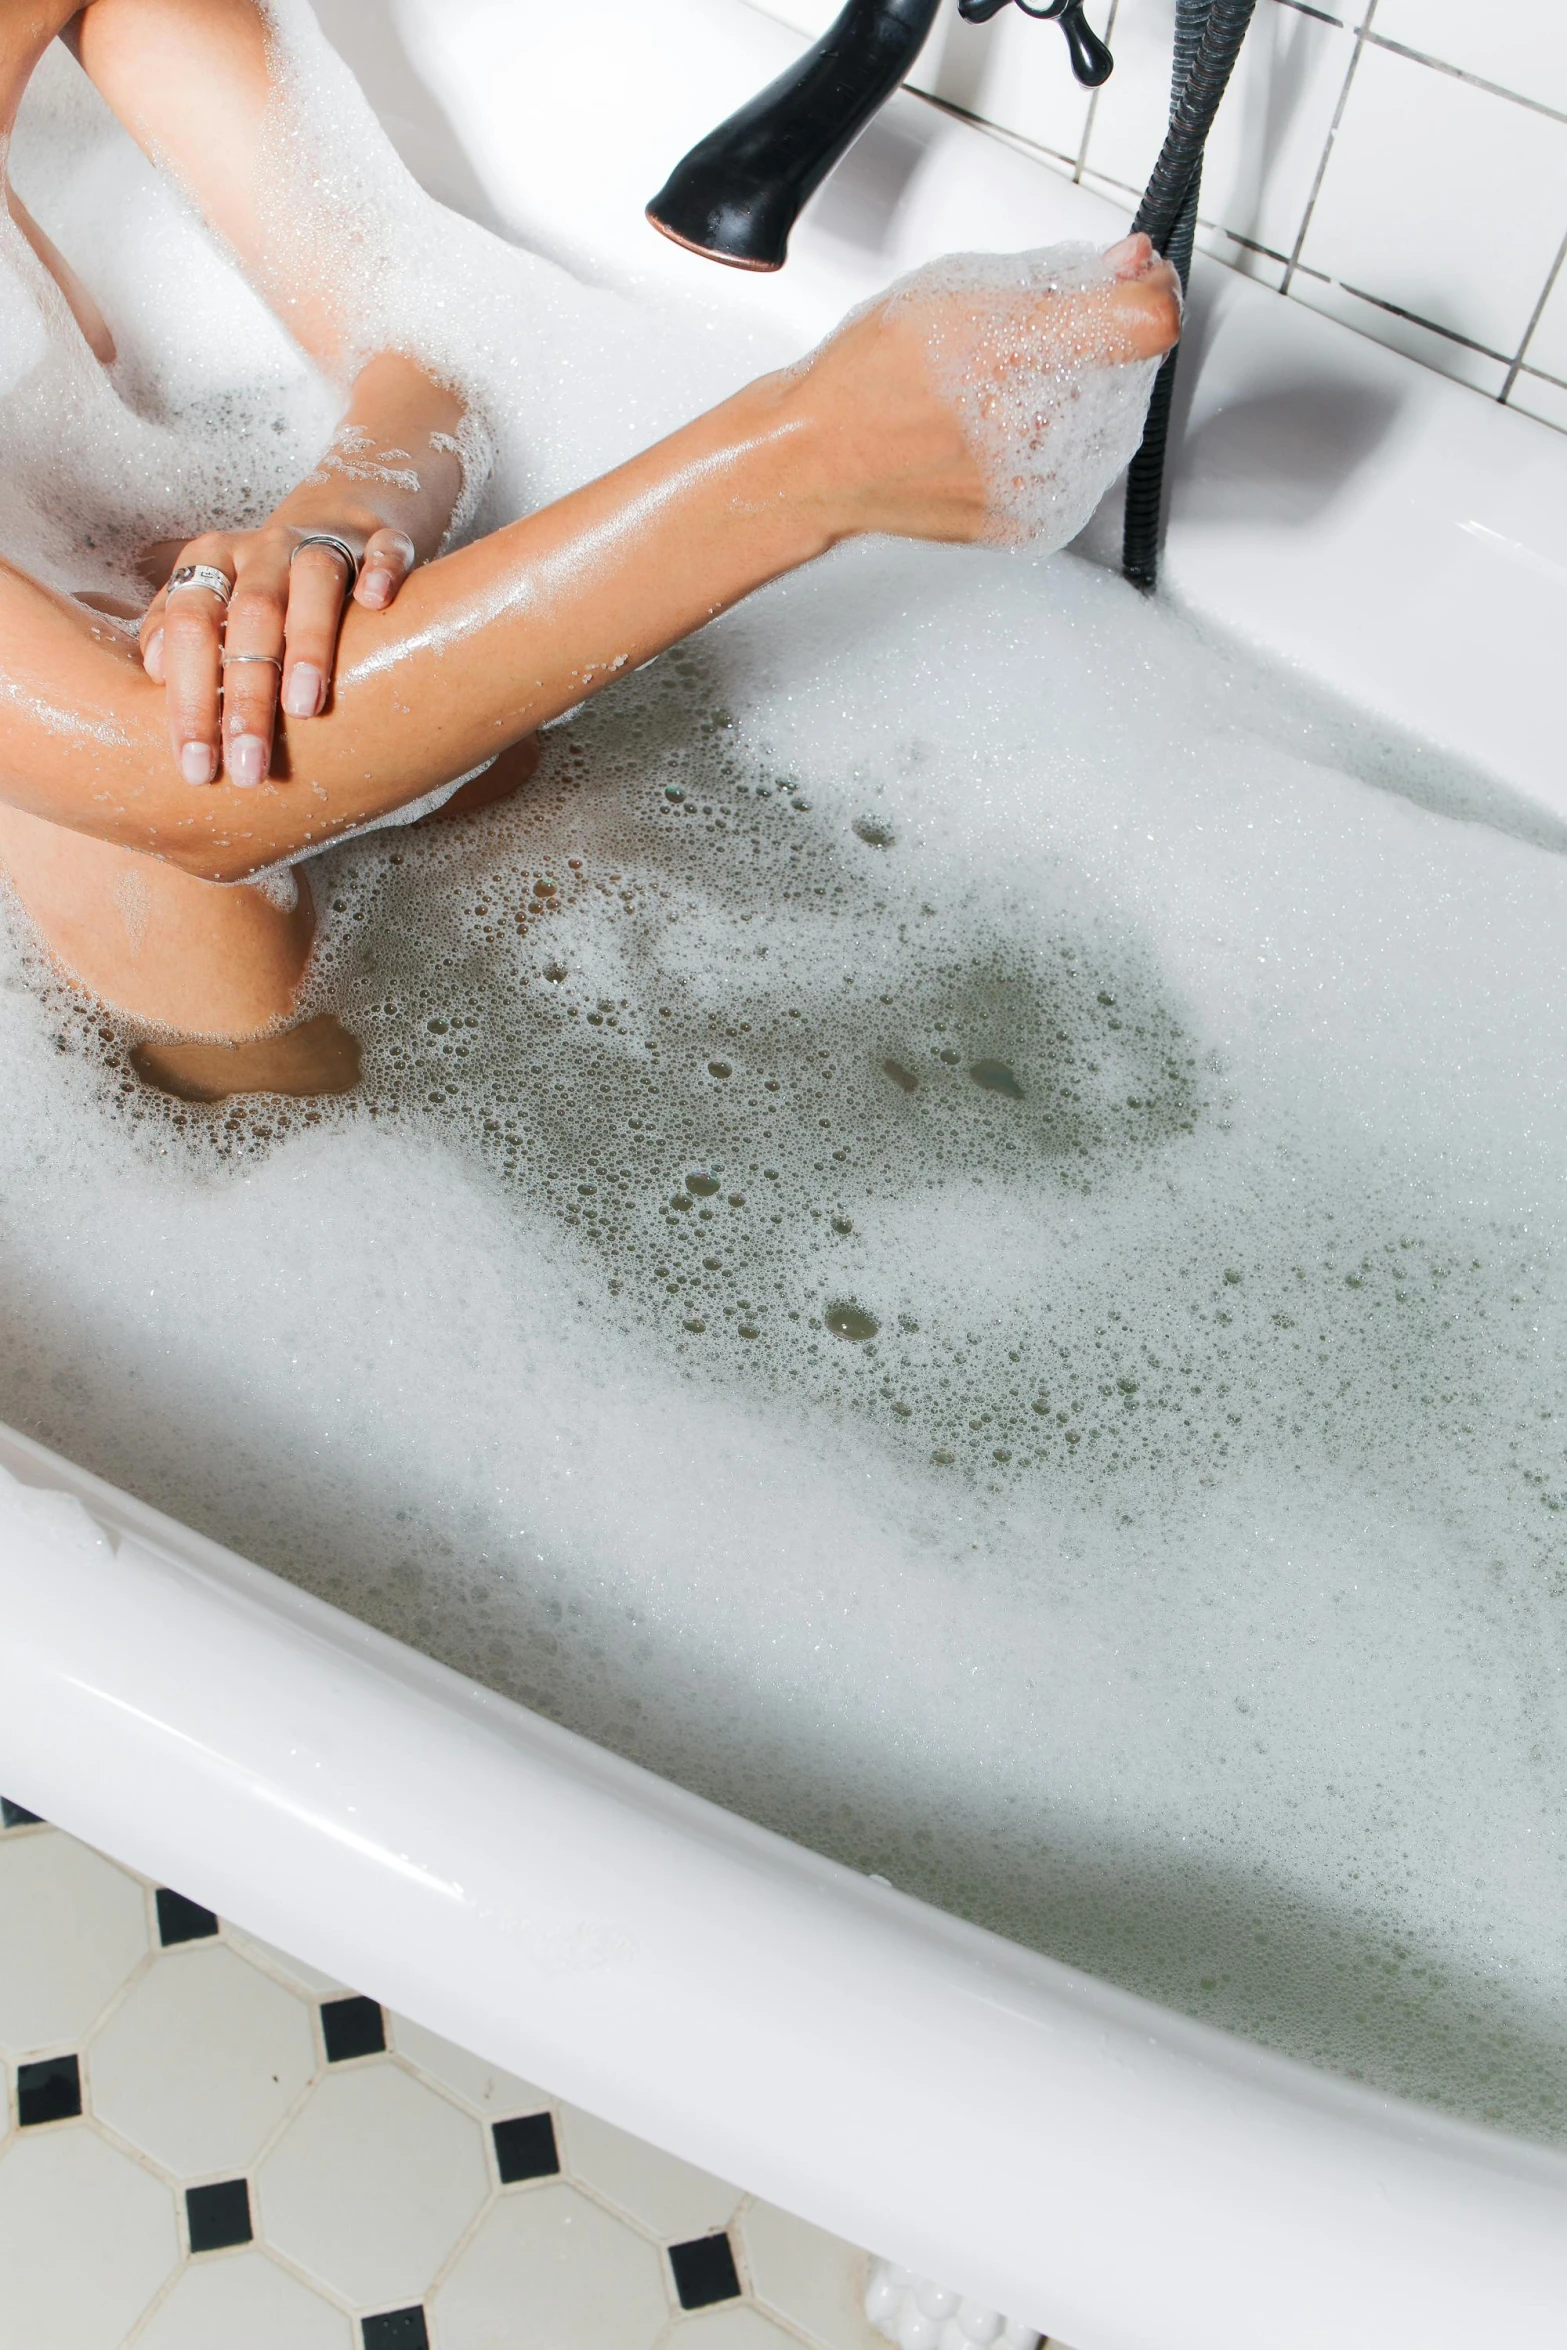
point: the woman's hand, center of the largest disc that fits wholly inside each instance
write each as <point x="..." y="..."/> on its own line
<point x="386" y="490"/>
<point x="274" y="642"/>
<point x="897" y="455"/>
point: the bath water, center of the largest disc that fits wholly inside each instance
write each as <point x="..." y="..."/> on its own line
<point x="952" y="1233"/>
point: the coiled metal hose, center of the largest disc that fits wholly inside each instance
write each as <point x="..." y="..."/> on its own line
<point x="1208" y="35"/>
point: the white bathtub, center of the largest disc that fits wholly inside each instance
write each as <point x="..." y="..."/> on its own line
<point x="1116" y="2174"/>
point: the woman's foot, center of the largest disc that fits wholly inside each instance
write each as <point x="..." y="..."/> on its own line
<point x="318" y="1057"/>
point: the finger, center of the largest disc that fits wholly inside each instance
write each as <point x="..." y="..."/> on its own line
<point x="1131" y="256"/>
<point x="191" y="643"/>
<point x="253" y="653"/>
<point x="388" y="559"/>
<point x="151" y="633"/>
<point x="317" y="580"/>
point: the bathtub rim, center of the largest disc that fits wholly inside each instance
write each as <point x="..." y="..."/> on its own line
<point x="709" y="1985"/>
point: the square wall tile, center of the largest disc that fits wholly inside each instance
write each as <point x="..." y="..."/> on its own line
<point x="1546" y="351"/>
<point x="1479" y="369"/>
<point x="1536" y="395"/>
<point x="1270" y="130"/>
<point x="1408" y="210"/>
<point x="1012" y="72"/>
<point x="1518" y="44"/>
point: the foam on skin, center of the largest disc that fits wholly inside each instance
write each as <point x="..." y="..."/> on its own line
<point x="1050" y="414"/>
<point x="953" y="1234"/>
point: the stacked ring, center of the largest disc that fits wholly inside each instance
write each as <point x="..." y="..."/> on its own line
<point x="271" y="659"/>
<point x="202" y="575"/>
<point x="329" y="538"/>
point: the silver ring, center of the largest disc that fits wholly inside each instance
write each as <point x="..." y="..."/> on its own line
<point x="329" y="538"/>
<point x="202" y="575"/>
<point x="271" y="659"/>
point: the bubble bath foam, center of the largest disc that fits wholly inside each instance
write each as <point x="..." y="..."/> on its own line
<point x="952" y="1237"/>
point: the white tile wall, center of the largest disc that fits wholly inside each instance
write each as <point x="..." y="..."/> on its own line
<point x="1400" y="164"/>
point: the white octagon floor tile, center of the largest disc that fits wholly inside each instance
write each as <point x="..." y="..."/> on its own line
<point x="550" y="2270"/>
<point x="671" y="2199"/>
<point x="74" y="1929"/>
<point x="293" y="1970"/>
<point x="483" y="2086"/>
<point x="201" y="2061"/>
<point x="733" y="2328"/>
<point x="86" y="2238"/>
<point x="814" y="2280"/>
<point x="243" y="2301"/>
<point x="372" y="2183"/>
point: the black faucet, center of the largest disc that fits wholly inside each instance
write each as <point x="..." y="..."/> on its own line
<point x="739" y="192"/>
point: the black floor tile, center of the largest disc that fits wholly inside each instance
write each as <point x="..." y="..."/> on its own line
<point x="352" y="2027"/>
<point x="218" y="2216"/>
<point x="48" y="2091"/>
<point x="396" y="2329"/>
<point x="705" y="2272"/>
<point x="13" y="1816"/>
<point x="526" y="2149"/>
<point x="181" y="1920"/>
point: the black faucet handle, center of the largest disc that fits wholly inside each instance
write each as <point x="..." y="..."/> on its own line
<point x="1091" y="60"/>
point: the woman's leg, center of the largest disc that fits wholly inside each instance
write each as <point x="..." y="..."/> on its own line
<point x="223" y="961"/>
<point x="154" y="941"/>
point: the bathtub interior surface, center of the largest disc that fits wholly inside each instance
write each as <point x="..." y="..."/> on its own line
<point x="952" y="1239"/>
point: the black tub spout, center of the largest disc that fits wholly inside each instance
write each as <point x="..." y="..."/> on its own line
<point x="738" y="193"/>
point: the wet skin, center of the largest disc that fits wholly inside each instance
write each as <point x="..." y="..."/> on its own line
<point x="115" y="854"/>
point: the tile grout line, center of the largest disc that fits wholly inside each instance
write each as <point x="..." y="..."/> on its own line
<point x="1293" y="263"/>
<point x="1459" y="73"/>
<point x="1535" y="315"/>
<point x="1081" y="165"/>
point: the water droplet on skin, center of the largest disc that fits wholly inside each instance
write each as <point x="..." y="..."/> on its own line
<point x="847" y="1320"/>
<point x="995" y="1077"/>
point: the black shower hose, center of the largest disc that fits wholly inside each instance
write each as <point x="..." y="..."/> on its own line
<point x="1208" y="35"/>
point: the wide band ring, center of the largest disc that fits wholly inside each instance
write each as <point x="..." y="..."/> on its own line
<point x="329" y="538"/>
<point x="202" y="575"/>
<point x="271" y="659"/>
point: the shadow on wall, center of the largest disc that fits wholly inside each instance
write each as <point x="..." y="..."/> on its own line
<point x="367" y="39"/>
<point x="1284" y="457"/>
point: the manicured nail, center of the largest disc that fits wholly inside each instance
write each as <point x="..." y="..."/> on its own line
<point x="198" y="762"/>
<point x="303" y="691"/>
<point x="152" y="658"/>
<point x="247" y="760"/>
<point x="376" y="587"/>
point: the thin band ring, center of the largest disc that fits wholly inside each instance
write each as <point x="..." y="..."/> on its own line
<point x="329" y="538"/>
<point x="202" y="575"/>
<point x="271" y="659"/>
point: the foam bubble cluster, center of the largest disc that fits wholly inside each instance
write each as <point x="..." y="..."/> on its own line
<point x="953" y="1233"/>
<point x="1051" y="410"/>
<point x="918" y="2314"/>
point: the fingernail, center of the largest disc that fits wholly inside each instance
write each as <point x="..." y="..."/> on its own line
<point x="198" y="762"/>
<point x="152" y="658"/>
<point x="302" y="693"/>
<point x="376" y="587"/>
<point x="247" y="760"/>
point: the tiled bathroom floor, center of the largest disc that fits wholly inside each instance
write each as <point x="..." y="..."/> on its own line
<point x="205" y="2145"/>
